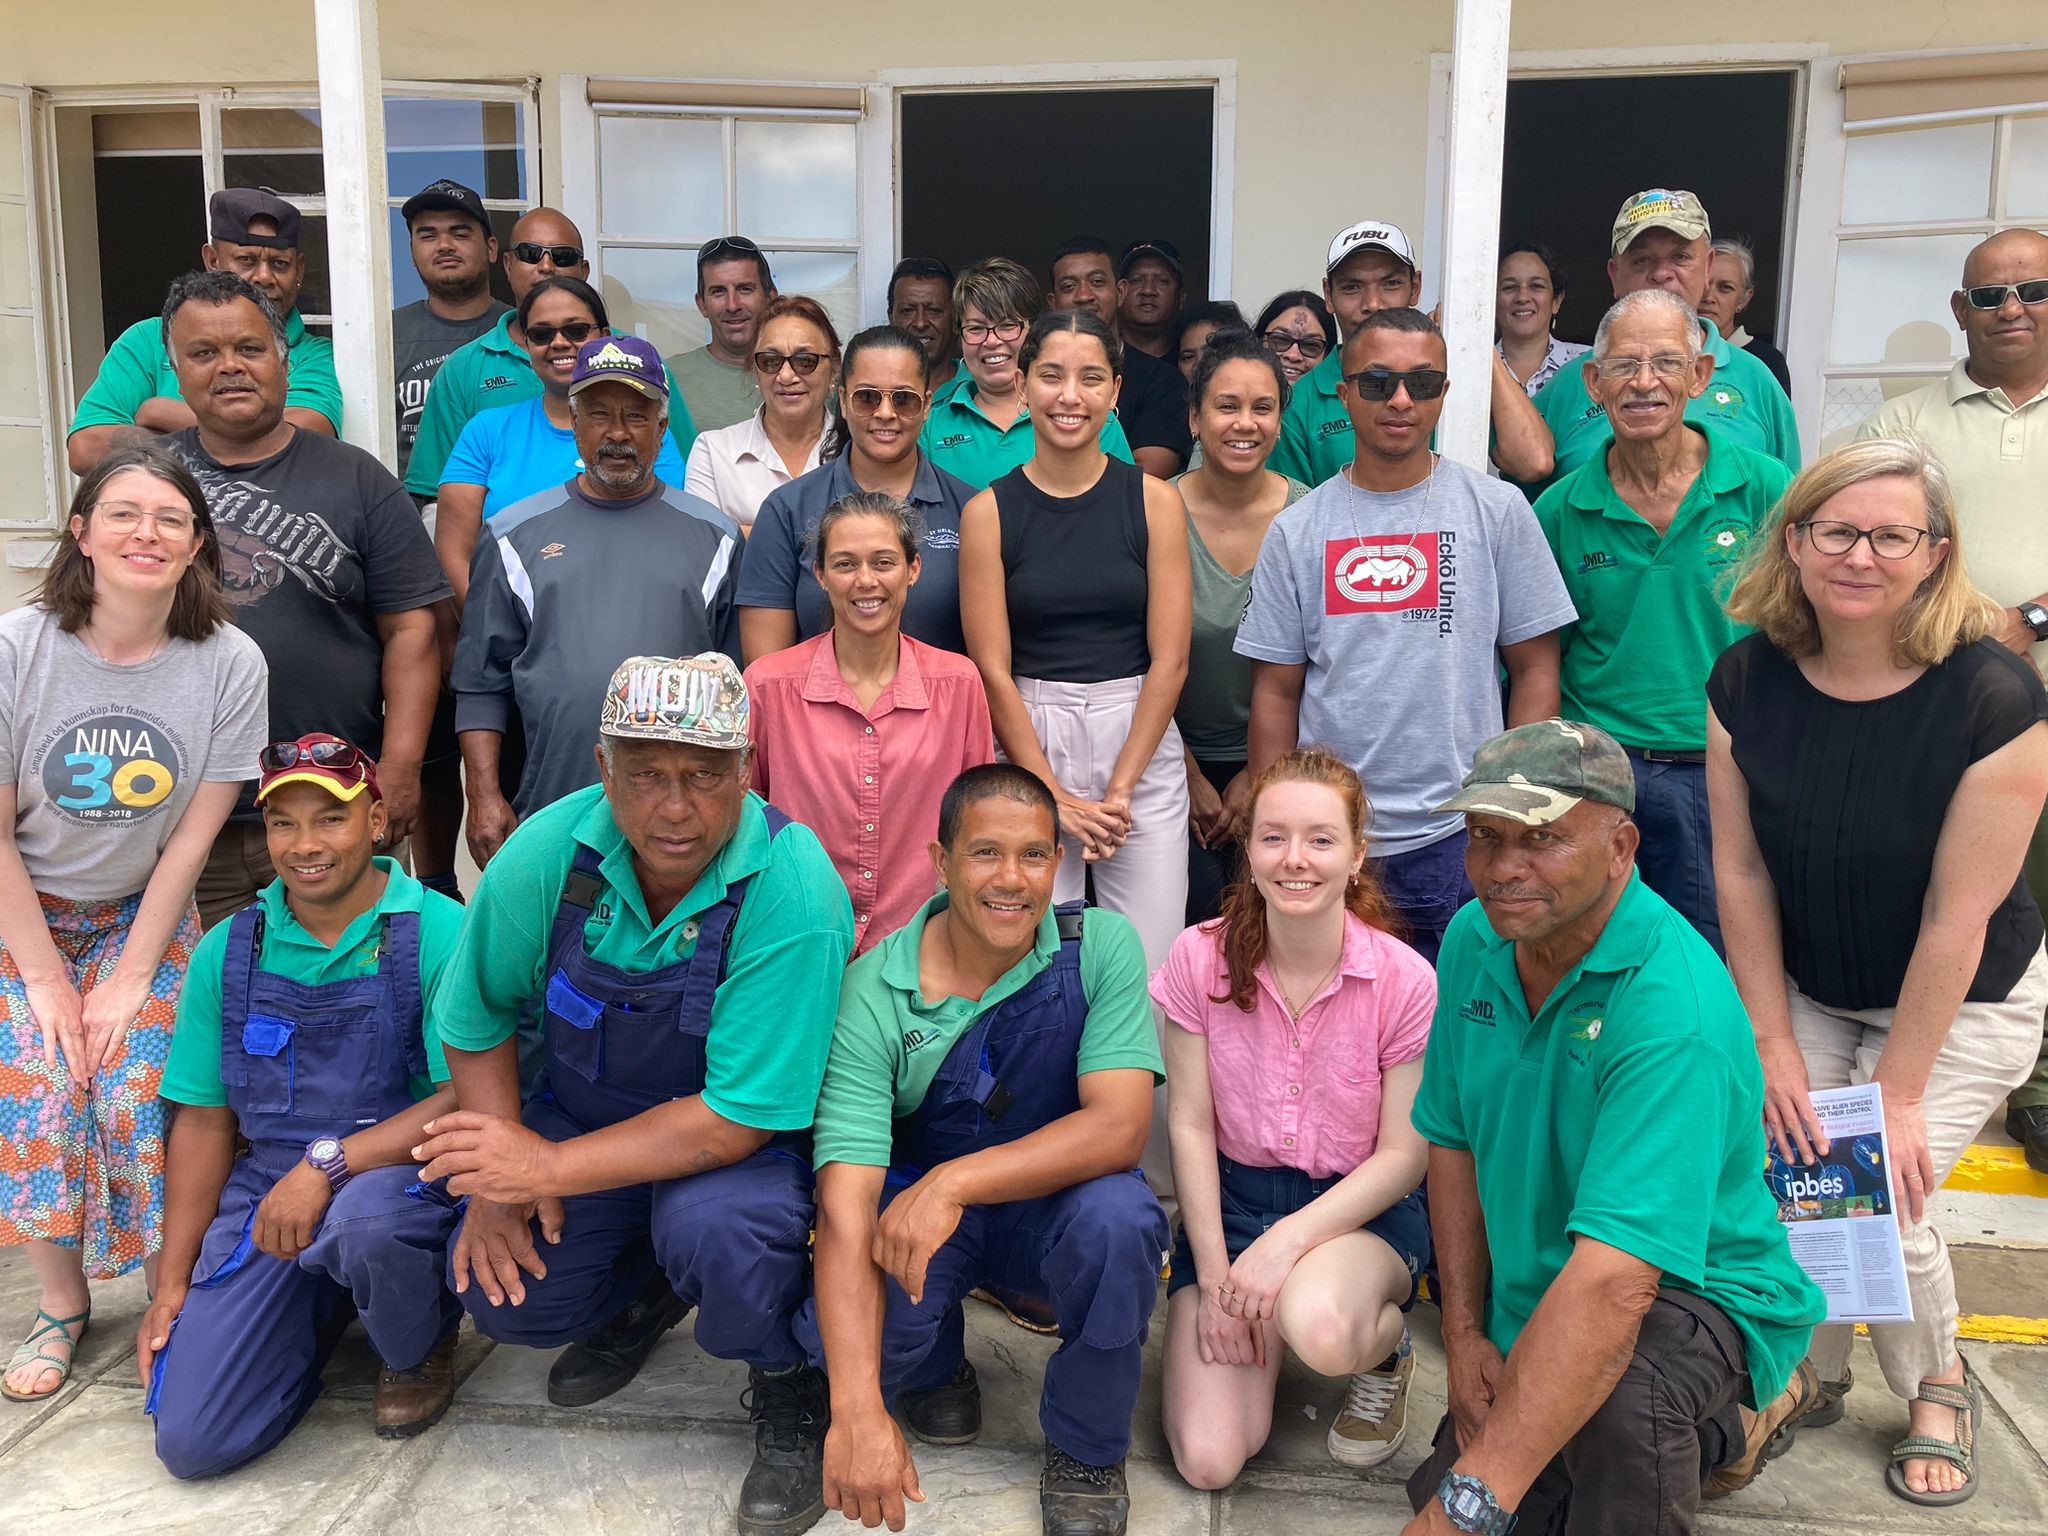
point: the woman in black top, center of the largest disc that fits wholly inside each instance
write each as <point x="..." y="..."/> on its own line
<point x="1876" y="765"/>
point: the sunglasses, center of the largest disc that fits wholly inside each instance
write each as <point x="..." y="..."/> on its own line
<point x="576" y="332"/>
<point x="737" y="245"/>
<point x="561" y="255"/>
<point x="867" y="400"/>
<point x="1310" y="347"/>
<point x="1380" y="383"/>
<point x="1992" y="295"/>
<point x="768" y="364"/>
<point x="280" y="755"/>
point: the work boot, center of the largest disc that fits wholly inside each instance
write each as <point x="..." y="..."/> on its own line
<point x="411" y="1400"/>
<point x="1781" y="1416"/>
<point x="1077" y="1499"/>
<point x="948" y="1414"/>
<point x="785" y="1488"/>
<point x="2028" y="1125"/>
<point x="594" y="1369"/>
<point x="1031" y="1313"/>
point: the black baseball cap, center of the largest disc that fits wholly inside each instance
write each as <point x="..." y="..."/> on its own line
<point x="446" y="194"/>
<point x="1163" y="249"/>
<point x="229" y="211"/>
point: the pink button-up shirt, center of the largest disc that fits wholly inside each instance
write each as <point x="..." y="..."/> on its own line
<point x="868" y="783"/>
<point x="1302" y="1093"/>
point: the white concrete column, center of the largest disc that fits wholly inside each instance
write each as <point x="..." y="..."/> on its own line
<point x="358" y="245"/>
<point x="1478" y="120"/>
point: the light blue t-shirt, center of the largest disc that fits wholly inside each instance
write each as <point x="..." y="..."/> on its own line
<point x="515" y="450"/>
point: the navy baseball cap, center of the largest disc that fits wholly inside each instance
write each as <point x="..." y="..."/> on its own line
<point x="1164" y="250"/>
<point x="623" y="360"/>
<point x="229" y="211"/>
<point x="445" y="194"/>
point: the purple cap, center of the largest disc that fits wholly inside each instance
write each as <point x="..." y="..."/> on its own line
<point x="623" y="360"/>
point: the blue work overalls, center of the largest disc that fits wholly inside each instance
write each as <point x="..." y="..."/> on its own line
<point x="299" y="1062"/>
<point x="1094" y="1251"/>
<point x="734" y="1241"/>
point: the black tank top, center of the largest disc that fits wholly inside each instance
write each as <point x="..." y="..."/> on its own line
<point x="1074" y="569"/>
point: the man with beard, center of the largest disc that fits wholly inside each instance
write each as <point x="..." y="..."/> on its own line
<point x="322" y="554"/>
<point x="921" y="301"/>
<point x="614" y="563"/>
<point x="452" y="250"/>
<point x="255" y="235"/>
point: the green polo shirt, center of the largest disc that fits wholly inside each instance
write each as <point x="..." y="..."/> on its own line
<point x="962" y="441"/>
<point x="890" y="1042"/>
<point x="771" y="1020"/>
<point x="138" y="368"/>
<point x="192" y="1074"/>
<point x="1742" y="403"/>
<point x="1628" y="1110"/>
<point x="490" y="371"/>
<point x="1650" y="622"/>
<point x="1316" y="440"/>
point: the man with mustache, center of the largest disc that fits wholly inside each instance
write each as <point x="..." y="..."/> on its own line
<point x="614" y="563"/>
<point x="453" y="251"/>
<point x="921" y="301"/>
<point x="1623" y="1320"/>
<point x="1648" y="535"/>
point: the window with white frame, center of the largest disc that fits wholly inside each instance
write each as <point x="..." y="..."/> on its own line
<point x="27" y="466"/>
<point x="677" y="168"/>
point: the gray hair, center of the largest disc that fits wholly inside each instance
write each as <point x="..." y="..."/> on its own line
<point x="204" y="287"/>
<point x="661" y="403"/>
<point x="909" y="527"/>
<point x="1647" y="302"/>
<point x="1738" y="249"/>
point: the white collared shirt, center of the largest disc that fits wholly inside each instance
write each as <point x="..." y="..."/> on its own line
<point x="734" y="468"/>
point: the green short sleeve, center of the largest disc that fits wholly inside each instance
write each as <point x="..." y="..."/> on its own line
<point x="857" y="1101"/>
<point x="442" y="419"/>
<point x="192" y="1071"/>
<point x="1439" y="1115"/>
<point x="128" y="377"/>
<point x="1114" y="442"/>
<point x="440" y="935"/>
<point x="313" y="385"/>
<point x="1119" y="1031"/>
<point x="502" y="949"/>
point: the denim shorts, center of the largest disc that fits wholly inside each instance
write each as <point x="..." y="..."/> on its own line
<point x="1255" y="1198"/>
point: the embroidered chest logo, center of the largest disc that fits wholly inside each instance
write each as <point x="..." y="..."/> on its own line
<point x="1724" y="542"/>
<point x="549" y="551"/>
<point x="1477" y="1011"/>
<point x="1596" y="560"/>
<point x="955" y="439"/>
<point x="1335" y="426"/>
<point x="1724" y="400"/>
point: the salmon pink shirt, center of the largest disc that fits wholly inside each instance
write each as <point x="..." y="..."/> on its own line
<point x="868" y="783"/>
<point x="1301" y="1094"/>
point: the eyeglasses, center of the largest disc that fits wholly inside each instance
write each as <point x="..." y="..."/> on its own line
<point x="531" y="253"/>
<point x="1993" y="295"/>
<point x="1310" y="347"/>
<point x="1666" y="365"/>
<point x="576" y="332"/>
<point x="1894" y="541"/>
<point x="1380" y="383"/>
<point x="768" y="364"/>
<point x="867" y="400"/>
<point x="280" y="755"/>
<point x="735" y="245"/>
<point x="116" y="517"/>
<point x="974" y="333"/>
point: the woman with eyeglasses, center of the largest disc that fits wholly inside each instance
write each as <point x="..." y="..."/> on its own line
<point x="1531" y="292"/>
<point x="1876" y="762"/>
<point x="131" y="712"/>
<point x="510" y="453"/>
<point x="1297" y="328"/>
<point x="858" y="731"/>
<point x="796" y="361"/>
<point x="979" y="428"/>
<point x="882" y="404"/>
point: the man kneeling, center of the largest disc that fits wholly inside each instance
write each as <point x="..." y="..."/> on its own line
<point x="302" y="1029"/>
<point x="989" y="1089"/>
<point x="1615" y="1281"/>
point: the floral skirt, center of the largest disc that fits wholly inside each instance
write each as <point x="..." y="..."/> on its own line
<point x="84" y="1166"/>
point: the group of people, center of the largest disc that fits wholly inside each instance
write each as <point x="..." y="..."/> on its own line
<point x="947" y="797"/>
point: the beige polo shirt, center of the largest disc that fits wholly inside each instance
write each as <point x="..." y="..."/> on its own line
<point x="1997" y="460"/>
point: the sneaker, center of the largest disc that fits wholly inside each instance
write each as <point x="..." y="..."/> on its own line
<point x="1076" y="1498"/>
<point x="1373" y="1422"/>
<point x="594" y="1368"/>
<point x="949" y="1414"/>
<point x="784" y="1491"/>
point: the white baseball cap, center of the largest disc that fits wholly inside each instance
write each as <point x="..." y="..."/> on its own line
<point x="1366" y="235"/>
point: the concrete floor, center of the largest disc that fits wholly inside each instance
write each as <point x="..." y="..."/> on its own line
<point x="667" y="1454"/>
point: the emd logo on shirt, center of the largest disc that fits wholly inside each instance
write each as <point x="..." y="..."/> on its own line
<point x="109" y="767"/>
<point x="1385" y="575"/>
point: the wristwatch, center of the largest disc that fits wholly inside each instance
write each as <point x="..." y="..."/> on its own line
<point x="2035" y="617"/>
<point x="1472" y="1507"/>
<point x="325" y="1153"/>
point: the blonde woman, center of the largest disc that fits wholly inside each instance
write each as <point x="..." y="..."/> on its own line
<point x="1876" y="764"/>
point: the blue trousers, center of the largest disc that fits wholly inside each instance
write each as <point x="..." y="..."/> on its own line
<point x="1677" y="853"/>
<point x="1427" y="886"/>
<point x="735" y="1243"/>
<point x="1094" y="1251"/>
<point x="244" y="1358"/>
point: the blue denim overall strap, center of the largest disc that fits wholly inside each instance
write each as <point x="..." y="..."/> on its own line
<point x="621" y="1042"/>
<point x="301" y="1060"/>
<point x="1014" y="1071"/>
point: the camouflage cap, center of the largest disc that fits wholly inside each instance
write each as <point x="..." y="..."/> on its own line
<point x="1659" y="208"/>
<point x="1536" y="773"/>
<point x="697" y="701"/>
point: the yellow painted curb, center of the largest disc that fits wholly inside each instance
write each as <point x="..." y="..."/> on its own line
<point x="1987" y="1170"/>
<point x="1992" y="1329"/>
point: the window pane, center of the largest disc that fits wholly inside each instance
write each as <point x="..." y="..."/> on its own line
<point x="1913" y="174"/>
<point x="316" y="295"/>
<point x="828" y="277"/>
<point x="2026" y="172"/>
<point x="1891" y="299"/>
<point x="478" y="143"/>
<point x="18" y="367"/>
<point x="10" y="147"/>
<point x="22" y="471"/>
<point x="14" y="285"/>
<point x="653" y="294"/>
<point x="1847" y="403"/>
<point x="275" y="147"/>
<point x="796" y="180"/>
<point x="661" y="176"/>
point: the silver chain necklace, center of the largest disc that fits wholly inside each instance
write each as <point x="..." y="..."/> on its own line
<point x="1422" y="518"/>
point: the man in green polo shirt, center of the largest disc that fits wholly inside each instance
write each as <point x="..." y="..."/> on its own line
<point x="1619" y="1300"/>
<point x="1648" y="534"/>
<point x="990" y="1090"/>
<point x="1662" y="239"/>
<point x="684" y="943"/>
<point x="255" y="235"/>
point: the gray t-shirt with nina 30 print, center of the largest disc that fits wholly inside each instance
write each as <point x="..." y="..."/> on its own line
<point x="104" y="759"/>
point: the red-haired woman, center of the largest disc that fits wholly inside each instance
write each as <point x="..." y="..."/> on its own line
<point x="1299" y="1024"/>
